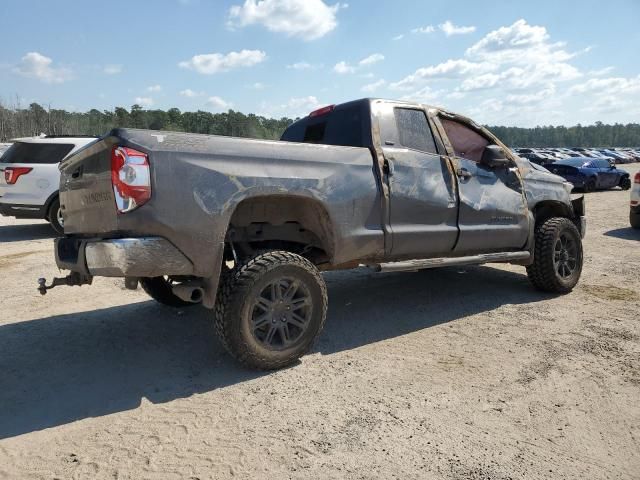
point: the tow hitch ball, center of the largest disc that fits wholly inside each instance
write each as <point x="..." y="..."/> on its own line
<point x="71" y="280"/>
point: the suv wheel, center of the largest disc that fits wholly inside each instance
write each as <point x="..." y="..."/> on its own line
<point x="55" y="216"/>
<point x="625" y="183"/>
<point x="159" y="288"/>
<point x="557" y="262"/>
<point x="270" y="309"/>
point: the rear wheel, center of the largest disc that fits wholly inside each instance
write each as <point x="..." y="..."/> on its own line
<point x="557" y="262"/>
<point x="625" y="183"/>
<point x="270" y="309"/>
<point x="55" y="216"/>
<point x="634" y="220"/>
<point x="159" y="288"/>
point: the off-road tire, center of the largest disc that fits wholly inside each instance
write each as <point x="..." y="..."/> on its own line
<point x="159" y="288"/>
<point x="236" y="306"/>
<point x="634" y="220"/>
<point x="52" y="216"/>
<point x="625" y="183"/>
<point x="543" y="273"/>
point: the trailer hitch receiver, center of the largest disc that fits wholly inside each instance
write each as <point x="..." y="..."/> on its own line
<point x="71" y="280"/>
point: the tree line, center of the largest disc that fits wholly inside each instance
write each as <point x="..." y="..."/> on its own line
<point x="31" y="121"/>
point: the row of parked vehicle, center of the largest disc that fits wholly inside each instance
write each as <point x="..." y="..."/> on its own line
<point x="546" y="156"/>
<point x="588" y="169"/>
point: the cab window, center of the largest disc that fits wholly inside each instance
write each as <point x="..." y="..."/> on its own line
<point x="413" y="130"/>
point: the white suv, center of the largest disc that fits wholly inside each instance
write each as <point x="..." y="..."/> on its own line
<point x="634" y="214"/>
<point x="29" y="177"/>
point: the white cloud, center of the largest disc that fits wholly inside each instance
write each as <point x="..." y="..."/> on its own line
<point x="190" y="93"/>
<point x="373" y="87"/>
<point x="615" y="84"/>
<point x="36" y="65"/>
<point x="258" y="86"/>
<point x="154" y="88"/>
<point x="144" y="101"/>
<point x="530" y="98"/>
<point x="344" y="67"/>
<point x="427" y="29"/>
<point x="306" y="19"/>
<point x="480" y="82"/>
<point x="112" y="69"/>
<point x="450" y="29"/>
<point x="425" y="95"/>
<point x="398" y="37"/>
<point x="601" y="72"/>
<point x="449" y="69"/>
<point x="517" y="74"/>
<point x="371" y="59"/>
<point x="212" y="63"/>
<point x="519" y="43"/>
<point x="304" y="66"/>
<point x="218" y="103"/>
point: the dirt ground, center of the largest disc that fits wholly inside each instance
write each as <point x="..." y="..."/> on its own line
<point x="455" y="373"/>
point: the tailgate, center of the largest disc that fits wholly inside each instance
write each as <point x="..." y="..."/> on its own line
<point x="86" y="194"/>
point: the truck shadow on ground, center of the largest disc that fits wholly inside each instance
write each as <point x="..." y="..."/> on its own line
<point x="20" y="233"/>
<point x="64" y="368"/>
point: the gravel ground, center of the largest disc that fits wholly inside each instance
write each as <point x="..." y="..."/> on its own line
<point x="453" y="373"/>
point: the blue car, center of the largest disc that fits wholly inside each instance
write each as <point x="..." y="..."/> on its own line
<point x="591" y="174"/>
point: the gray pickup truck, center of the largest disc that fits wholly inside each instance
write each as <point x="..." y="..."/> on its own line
<point x="245" y="226"/>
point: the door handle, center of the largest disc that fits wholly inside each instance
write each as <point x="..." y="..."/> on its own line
<point x="388" y="166"/>
<point x="463" y="173"/>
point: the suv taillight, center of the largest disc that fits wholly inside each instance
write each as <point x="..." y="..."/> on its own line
<point x="130" y="177"/>
<point x="12" y="174"/>
<point x="636" y="178"/>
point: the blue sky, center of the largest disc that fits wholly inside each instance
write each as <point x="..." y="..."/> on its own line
<point x="501" y="62"/>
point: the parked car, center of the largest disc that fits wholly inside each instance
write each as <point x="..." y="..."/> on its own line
<point x="29" y="177"/>
<point x="393" y="185"/>
<point x="590" y="174"/>
<point x="634" y="214"/>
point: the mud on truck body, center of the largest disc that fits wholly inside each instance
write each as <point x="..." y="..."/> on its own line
<point x="244" y="227"/>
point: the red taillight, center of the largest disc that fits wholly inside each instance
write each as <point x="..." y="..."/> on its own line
<point x="322" y="111"/>
<point x="130" y="177"/>
<point x="12" y="174"/>
<point x="636" y="178"/>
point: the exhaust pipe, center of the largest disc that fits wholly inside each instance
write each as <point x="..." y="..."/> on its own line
<point x="188" y="292"/>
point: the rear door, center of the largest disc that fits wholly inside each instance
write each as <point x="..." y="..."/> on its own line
<point x="422" y="207"/>
<point x="36" y="185"/>
<point x="493" y="210"/>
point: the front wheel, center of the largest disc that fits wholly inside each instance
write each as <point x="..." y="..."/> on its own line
<point x="634" y="220"/>
<point x="270" y="309"/>
<point x="625" y="183"/>
<point x="557" y="261"/>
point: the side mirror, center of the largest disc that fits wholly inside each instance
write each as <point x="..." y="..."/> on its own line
<point x="494" y="157"/>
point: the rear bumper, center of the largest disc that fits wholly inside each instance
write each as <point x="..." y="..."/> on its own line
<point x="122" y="257"/>
<point x="23" y="211"/>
